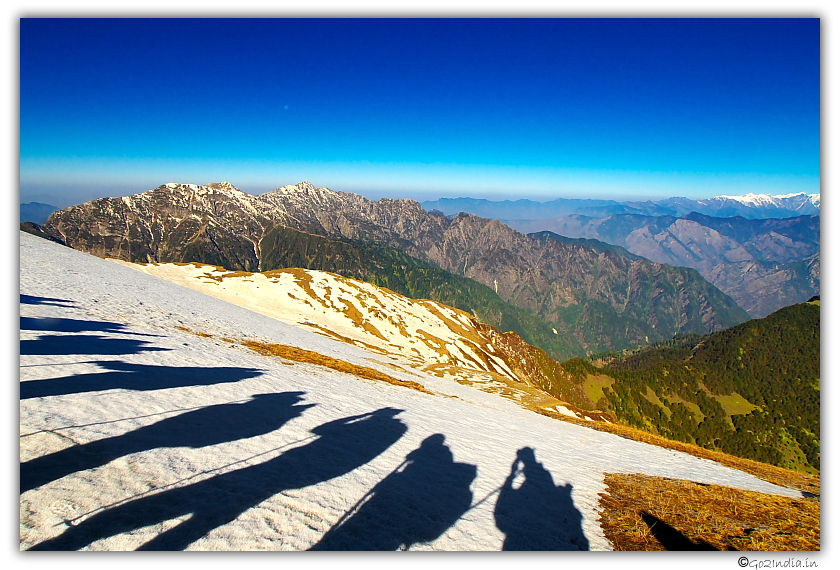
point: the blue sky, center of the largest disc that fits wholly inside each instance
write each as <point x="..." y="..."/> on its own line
<point x="537" y="108"/>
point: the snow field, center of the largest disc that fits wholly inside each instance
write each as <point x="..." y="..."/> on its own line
<point x="275" y="449"/>
<point x="416" y="332"/>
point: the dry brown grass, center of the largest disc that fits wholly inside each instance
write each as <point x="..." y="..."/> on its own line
<point x="301" y="355"/>
<point x="296" y="354"/>
<point x="770" y="473"/>
<point x="341" y="338"/>
<point x="639" y="509"/>
<point x="197" y="333"/>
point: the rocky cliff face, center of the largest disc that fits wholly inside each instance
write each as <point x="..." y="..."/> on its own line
<point x="606" y="298"/>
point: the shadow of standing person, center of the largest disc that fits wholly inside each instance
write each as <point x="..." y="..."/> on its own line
<point x="138" y="377"/>
<point x="340" y="447"/>
<point x="210" y="425"/>
<point x="416" y="503"/>
<point x="535" y="514"/>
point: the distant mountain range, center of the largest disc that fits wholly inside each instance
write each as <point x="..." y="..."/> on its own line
<point x="750" y="206"/>
<point x="36" y="212"/>
<point x="591" y="297"/>
<point x="763" y="264"/>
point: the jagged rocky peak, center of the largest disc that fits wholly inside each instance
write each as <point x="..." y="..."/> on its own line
<point x="223" y="186"/>
<point x="305" y="187"/>
<point x="213" y="187"/>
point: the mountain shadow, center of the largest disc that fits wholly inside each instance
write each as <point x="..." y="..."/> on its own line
<point x="139" y="377"/>
<point x="341" y="446"/>
<point x="536" y="514"/>
<point x="671" y="538"/>
<point x="417" y="502"/>
<point x="33" y="300"/>
<point x="210" y="425"/>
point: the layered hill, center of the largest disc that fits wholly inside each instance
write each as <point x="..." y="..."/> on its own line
<point x="600" y="298"/>
<point x="36" y="212"/>
<point x="752" y="390"/>
<point x="763" y="264"/>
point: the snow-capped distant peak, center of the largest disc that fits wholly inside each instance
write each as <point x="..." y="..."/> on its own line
<point x="784" y="201"/>
<point x="751" y="199"/>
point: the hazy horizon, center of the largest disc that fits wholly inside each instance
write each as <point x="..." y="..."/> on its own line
<point x="71" y="196"/>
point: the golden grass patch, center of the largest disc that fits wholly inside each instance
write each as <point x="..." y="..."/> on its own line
<point x="301" y="355"/>
<point x="395" y="367"/>
<point x="642" y="512"/>
<point x="335" y="336"/>
<point x="594" y="386"/>
<point x="734" y="403"/>
<point x="196" y="333"/>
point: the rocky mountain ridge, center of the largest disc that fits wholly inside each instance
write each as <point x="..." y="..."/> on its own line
<point x="606" y="299"/>
<point x="763" y="264"/>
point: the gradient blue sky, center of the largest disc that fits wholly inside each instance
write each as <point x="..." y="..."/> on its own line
<point x="537" y="108"/>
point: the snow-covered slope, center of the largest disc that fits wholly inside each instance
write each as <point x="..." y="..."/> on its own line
<point x="137" y="433"/>
<point x="420" y="334"/>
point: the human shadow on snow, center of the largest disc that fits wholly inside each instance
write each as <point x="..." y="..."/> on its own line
<point x="67" y="344"/>
<point x="50" y="344"/>
<point x="210" y="425"/>
<point x="73" y="325"/>
<point x="535" y="514"/>
<point x="33" y="300"/>
<point x="340" y="447"/>
<point x="416" y="503"/>
<point x="139" y="377"/>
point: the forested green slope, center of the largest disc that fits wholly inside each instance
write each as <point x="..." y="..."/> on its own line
<point x="752" y="390"/>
